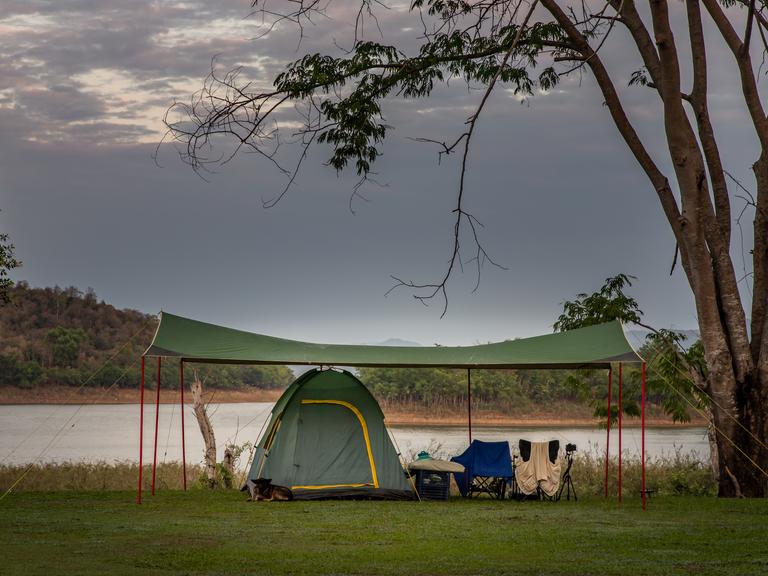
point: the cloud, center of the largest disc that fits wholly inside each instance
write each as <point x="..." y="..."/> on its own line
<point x="60" y="104"/>
<point x="110" y="63"/>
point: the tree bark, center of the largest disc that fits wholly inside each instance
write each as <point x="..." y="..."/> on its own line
<point x="205" y="429"/>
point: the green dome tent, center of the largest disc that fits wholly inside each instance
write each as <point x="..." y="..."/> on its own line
<point x="327" y="439"/>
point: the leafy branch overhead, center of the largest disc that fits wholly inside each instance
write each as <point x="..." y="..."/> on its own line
<point x="607" y="304"/>
<point x="352" y="121"/>
<point x="8" y="262"/>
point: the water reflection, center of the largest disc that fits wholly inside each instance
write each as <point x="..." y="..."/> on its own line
<point x="57" y="433"/>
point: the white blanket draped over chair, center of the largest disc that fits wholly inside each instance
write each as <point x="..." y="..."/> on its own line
<point x="538" y="472"/>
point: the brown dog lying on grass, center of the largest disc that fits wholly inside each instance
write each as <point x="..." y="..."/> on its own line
<point x="263" y="489"/>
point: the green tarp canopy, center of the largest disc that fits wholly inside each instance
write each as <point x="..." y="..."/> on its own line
<point x="194" y="341"/>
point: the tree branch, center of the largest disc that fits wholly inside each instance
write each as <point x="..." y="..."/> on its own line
<point x="461" y="214"/>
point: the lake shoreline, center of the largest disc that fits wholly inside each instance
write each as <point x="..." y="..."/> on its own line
<point x="579" y="417"/>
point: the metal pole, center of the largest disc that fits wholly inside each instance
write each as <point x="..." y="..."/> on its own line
<point x="642" y="433"/>
<point x="157" y="421"/>
<point x="141" y="429"/>
<point x="183" y="445"/>
<point x="608" y="429"/>
<point x="621" y="382"/>
<point x="469" y="403"/>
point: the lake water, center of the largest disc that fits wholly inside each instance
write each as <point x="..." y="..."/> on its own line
<point x="109" y="433"/>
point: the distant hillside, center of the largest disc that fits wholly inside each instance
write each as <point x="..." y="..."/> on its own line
<point x="69" y="337"/>
<point x="65" y="337"/>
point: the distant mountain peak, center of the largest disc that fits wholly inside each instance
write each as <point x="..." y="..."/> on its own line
<point x="395" y="342"/>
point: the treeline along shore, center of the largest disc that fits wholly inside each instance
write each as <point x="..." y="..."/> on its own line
<point x="413" y="414"/>
<point x="65" y="346"/>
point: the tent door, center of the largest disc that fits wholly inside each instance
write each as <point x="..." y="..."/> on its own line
<point x="333" y="449"/>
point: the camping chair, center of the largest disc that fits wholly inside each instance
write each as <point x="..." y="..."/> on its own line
<point x="487" y="469"/>
<point x="537" y="469"/>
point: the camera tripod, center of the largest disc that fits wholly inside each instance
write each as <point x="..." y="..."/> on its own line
<point x="567" y="482"/>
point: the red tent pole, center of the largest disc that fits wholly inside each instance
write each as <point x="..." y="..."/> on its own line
<point x="608" y="429"/>
<point x="157" y="421"/>
<point x="469" y="403"/>
<point x="141" y="429"/>
<point x="183" y="445"/>
<point x="621" y="382"/>
<point x="642" y="433"/>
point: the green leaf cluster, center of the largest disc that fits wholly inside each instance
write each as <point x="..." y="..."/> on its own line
<point x="607" y="304"/>
<point x="347" y="92"/>
<point x="8" y="262"/>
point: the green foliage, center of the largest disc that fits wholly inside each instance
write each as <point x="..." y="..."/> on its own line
<point x="607" y="304"/>
<point x="673" y="372"/>
<point x="8" y="262"/>
<point x="639" y="77"/>
<point x="65" y="345"/>
<point x="14" y="372"/>
<point x="232" y="376"/>
<point x="344" y="95"/>
<point x="64" y="336"/>
<point x="498" y="390"/>
<point x="225" y="478"/>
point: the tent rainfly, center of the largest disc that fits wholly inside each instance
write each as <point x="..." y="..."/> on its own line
<point x="594" y="347"/>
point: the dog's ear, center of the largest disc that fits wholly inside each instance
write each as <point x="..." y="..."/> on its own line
<point x="267" y="480"/>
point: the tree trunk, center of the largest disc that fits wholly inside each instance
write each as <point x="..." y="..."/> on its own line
<point x="205" y="429"/>
<point x="737" y="381"/>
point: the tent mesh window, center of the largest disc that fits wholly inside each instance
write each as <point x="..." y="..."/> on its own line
<point x="433" y="485"/>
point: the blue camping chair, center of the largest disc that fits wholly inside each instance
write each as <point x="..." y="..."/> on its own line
<point x="487" y="469"/>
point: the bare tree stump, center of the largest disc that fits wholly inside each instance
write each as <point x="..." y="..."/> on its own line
<point x="206" y="430"/>
<point x="228" y="464"/>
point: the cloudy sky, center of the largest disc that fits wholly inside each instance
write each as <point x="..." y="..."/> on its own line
<point x="84" y="85"/>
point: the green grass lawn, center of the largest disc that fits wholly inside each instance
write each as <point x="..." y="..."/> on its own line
<point x="203" y="532"/>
